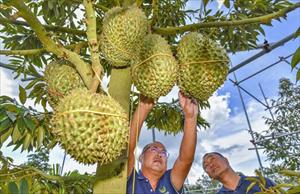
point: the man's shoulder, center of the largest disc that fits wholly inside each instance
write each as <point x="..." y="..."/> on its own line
<point x="269" y="182"/>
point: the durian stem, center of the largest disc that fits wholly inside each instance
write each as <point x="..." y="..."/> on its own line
<point x="193" y="27"/>
<point x="93" y="43"/>
<point x="154" y="12"/>
<point x="47" y="27"/>
<point x="112" y="177"/>
<point x="38" y="51"/>
<point x="83" y="68"/>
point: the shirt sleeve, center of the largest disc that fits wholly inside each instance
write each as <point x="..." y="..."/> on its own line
<point x="168" y="173"/>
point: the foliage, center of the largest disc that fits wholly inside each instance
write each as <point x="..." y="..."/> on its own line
<point x="28" y="179"/>
<point x="39" y="159"/>
<point x="281" y="141"/>
<point x="296" y="57"/>
<point x="237" y="38"/>
<point x="286" y="188"/>
<point x="204" y="184"/>
<point x="169" y="118"/>
<point x="26" y="126"/>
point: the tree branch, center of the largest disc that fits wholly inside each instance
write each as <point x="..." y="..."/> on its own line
<point x="93" y="43"/>
<point x="98" y="6"/>
<point x="47" y="27"/>
<point x="83" y="68"/>
<point x="193" y="27"/>
<point x="154" y="12"/>
<point x="37" y="51"/>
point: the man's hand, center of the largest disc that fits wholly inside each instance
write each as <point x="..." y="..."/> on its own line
<point x="146" y="104"/>
<point x="189" y="106"/>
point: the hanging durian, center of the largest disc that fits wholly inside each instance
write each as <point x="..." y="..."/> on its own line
<point x="203" y="66"/>
<point x="61" y="77"/>
<point x="122" y="34"/>
<point x="91" y="127"/>
<point x="156" y="73"/>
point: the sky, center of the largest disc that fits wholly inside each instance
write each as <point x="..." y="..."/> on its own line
<point x="228" y="133"/>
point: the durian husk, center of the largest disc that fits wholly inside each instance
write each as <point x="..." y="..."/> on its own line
<point x="91" y="127"/>
<point x="61" y="77"/>
<point x="156" y="73"/>
<point x="122" y="34"/>
<point x="203" y="66"/>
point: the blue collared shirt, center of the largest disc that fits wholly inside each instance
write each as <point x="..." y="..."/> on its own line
<point x="243" y="185"/>
<point x="143" y="186"/>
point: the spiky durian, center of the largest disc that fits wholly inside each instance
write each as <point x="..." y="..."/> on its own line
<point x="156" y="73"/>
<point x="61" y="78"/>
<point x="203" y="66"/>
<point x="122" y="33"/>
<point x="91" y="127"/>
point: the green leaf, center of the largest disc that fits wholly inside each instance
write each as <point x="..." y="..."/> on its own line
<point x="296" y="58"/>
<point x="13" y="188"/>
<point x="205" y="2"/>
<point x="16" y="135"/>
<point x="22" y="94"/>
<point x="227" y="4"/>
<point x="4" y="124"/>
<point x="29" y="123"/>
<point x="23" y="186"/>
<point x="250" y="186"/>
<point x="4" y="136"/>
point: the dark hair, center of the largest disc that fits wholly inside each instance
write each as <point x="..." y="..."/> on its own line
<point x="209" y="153"/>
<point x="149" y="144"/>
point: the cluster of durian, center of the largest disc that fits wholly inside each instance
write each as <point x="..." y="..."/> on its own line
<point x="93" y="128"/>
<point x="202" y="64"/>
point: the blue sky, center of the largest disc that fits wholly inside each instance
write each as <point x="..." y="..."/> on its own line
<point x="228" y="133"/>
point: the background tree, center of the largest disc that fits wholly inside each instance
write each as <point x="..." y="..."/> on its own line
<point x="39" y="159"/>
<point x="70" y="29"/>
<point x="281" y="140"/>
<point x="204" y="184"/>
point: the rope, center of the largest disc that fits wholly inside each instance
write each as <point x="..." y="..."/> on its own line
<point x="152" y="56"/>
<point x="100" y="82"/>
<point x="209" y="61"/>
<point x="91" y="111"/>
<point x="136" y="142"/>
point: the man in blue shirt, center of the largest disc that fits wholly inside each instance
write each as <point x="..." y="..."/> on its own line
<point x="218" y="168"/>
<point x="154" y="176"/>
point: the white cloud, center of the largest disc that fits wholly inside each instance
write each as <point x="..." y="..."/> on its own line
<point x="219" y="111"/>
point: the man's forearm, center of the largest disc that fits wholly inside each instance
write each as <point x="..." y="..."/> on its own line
<point x="189" y="140"/>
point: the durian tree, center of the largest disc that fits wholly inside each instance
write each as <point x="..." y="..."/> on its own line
<point x="63" y="48"/>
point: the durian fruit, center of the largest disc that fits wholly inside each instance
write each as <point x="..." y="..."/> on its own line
<point x="122" y="33"/>
<point x="203" y="66"/>
<point x="91" y="127"/>
<point x="156" y="73"/>
<point x="61" y="78"/>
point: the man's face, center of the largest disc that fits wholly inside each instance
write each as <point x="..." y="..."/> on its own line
<point x="155" y="158"/>
<point x="214" y="165"/>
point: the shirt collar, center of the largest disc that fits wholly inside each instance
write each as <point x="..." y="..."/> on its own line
<point x="239" y="184"/>
<point x="140" y="175"/>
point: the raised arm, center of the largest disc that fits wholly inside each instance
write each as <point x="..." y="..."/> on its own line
<point x="144" y="107"/>
<point x="185" y="159"/>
